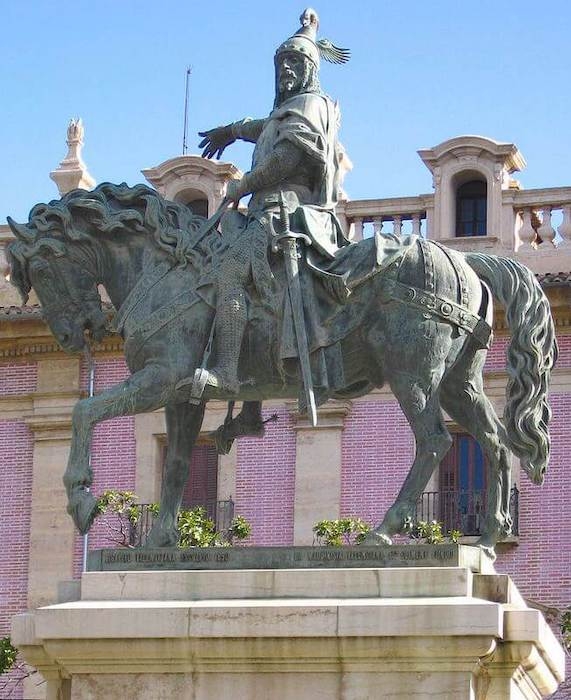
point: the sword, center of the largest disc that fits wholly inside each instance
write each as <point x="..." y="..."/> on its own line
<point x="288" y="241"/>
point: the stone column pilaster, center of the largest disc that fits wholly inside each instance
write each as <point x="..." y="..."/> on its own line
<point x="318" y="469"/>
<point x="51" y="529"/>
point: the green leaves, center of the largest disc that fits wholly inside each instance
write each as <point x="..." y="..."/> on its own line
<point x="195" y="528"/>
<point x="8" y="654"/>
<point x="336" y="533"/>
<point x="565" y="626"/>
<point x="431" y="533"/>
<point x="347" y="531"/>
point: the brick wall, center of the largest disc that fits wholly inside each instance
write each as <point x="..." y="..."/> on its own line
<point x="18" y="378"/>
<point x="113" y="454"/>
<point x="16" y="459"/>
<point x="540" y="564"/>
<point x="265" y="481"/>
<point x="377" y="451"/>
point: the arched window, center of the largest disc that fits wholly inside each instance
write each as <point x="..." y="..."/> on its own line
<point x="471" y="208"/>
<point x="198" y="207"/>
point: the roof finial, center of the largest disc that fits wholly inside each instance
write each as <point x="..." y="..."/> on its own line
<point x="72" y="172"/>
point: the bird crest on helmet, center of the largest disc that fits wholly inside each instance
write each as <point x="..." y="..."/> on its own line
<point x="305" y="42"/>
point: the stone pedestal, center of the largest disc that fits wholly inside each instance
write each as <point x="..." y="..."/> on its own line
<point x="324" y="633"/>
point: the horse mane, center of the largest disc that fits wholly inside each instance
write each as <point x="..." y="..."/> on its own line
<point x="110" y="209"/>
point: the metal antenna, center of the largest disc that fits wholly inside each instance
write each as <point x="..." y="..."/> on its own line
<point x="185" y="129"/>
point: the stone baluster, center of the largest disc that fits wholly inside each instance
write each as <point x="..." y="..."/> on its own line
<point x="527" y="233"/>
<point x="357" y="230"/>
<point x="564" y="229"/>
<point x="397" y="225"/>
<point x="377" y="226"/>
<point x="416" y="225"/>
<point x="545" y="231"/>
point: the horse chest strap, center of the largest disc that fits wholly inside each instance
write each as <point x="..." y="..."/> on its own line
<point x="442" y="308"/>
<point x="146" y="282"/>
<point x="159" y="319"/>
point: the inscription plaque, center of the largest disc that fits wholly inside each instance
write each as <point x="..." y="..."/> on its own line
<point x="285" y="557"/>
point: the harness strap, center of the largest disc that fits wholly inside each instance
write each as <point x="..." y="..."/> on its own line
<point x="441" y="308"/>
<point x="157" y="320"/>
<point x="428" y="265"/>
<point x="147" y="281"/>
<point x="460" y="274"/>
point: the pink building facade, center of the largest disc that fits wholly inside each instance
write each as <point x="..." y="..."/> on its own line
<point x="353" y="464"/>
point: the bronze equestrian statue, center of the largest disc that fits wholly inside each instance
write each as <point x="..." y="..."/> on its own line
<point x="289" y="308"/>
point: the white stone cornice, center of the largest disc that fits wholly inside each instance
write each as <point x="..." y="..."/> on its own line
<point x="178" y="177"/>
<point x="474" y="146"/>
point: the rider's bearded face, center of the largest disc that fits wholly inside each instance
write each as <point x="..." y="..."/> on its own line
<point x="292" y="73"/>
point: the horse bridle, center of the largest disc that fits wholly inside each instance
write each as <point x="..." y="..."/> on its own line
<point x="72" y="292"/>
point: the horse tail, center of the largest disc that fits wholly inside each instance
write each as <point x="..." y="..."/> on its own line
<point x="531" y="355"/>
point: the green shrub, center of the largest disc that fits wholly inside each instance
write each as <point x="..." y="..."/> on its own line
<point x="195" y="528"/>
<point x="336" y="533"/>
<point x="8" y="654"/>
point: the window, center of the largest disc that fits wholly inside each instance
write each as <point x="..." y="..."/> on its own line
<point x="471" y="208"/>
<point x="202" y="483"/>
<point x="202" y="487"/>
<point x="460" y="502"/>
<point x="199" y="207"/>
<point x="462" y="486"/>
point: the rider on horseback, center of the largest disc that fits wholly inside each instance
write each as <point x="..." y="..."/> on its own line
<point x="297" y="156"/>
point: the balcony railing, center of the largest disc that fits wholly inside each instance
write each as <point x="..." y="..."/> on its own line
<point x="134" y="533"/>
<point x="461" y="510"/>
<point x="365" y="217"/>
<point x="543" y="218"/>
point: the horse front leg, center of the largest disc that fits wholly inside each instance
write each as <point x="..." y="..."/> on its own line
<point x="146" y="390"/>
<point x="183" y="426"/>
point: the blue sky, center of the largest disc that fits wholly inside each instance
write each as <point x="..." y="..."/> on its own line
<point x="421" y="72"/>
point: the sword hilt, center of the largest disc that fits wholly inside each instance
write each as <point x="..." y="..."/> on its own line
<point x="284" y="218"/>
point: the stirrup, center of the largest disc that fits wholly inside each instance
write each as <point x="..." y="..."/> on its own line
<point x="203" y="377"/>
<point x="197" y="385"/>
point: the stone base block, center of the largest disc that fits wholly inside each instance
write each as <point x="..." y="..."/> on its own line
<point x="347" y="634"/>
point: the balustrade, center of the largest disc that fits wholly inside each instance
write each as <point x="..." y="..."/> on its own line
<point x="543" y="217"/>
<point x="401" y="215"/>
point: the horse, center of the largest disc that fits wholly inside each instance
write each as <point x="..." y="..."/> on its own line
<point x="422" y="324"/>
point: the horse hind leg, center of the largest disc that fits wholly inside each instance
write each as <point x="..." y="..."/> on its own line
<point x="464" y="400"/>
<point x="422" y="410"/>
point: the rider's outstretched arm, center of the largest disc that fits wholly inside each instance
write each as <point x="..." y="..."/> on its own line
<point x="248" y="129"/>
<point x="215" y="141"/>
<point x="277" y="167"/>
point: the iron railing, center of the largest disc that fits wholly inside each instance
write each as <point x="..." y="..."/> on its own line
<point x="462" y="510"/>
<point x="222" y="512"/>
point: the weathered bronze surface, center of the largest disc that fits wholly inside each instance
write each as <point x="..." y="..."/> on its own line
<point x="396" y="310"/>
<point x="350" y="557"/>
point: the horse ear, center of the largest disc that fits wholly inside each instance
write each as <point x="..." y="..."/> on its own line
<point x="20" y="231"/>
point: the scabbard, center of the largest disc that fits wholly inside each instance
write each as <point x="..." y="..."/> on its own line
<point x="290" y="249"/>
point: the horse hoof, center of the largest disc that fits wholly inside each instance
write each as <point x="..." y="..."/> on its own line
<point x="377" y="539"/>
<point x="488" y="550"/>
<point x="83" y="509"/>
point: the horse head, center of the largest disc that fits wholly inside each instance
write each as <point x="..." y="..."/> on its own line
<point x="61" y="277"/>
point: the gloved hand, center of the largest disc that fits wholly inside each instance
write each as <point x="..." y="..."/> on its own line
<point x="216" y="140"/>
